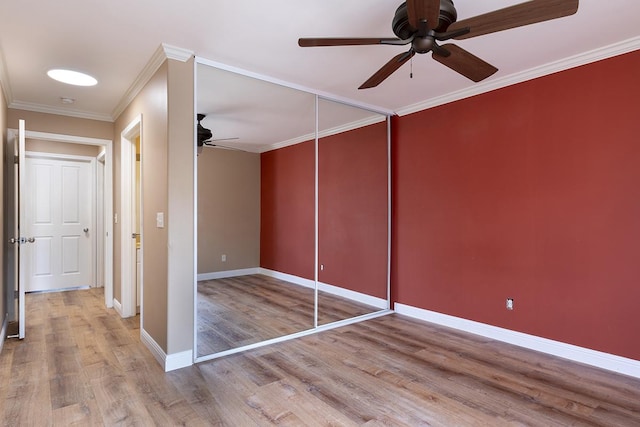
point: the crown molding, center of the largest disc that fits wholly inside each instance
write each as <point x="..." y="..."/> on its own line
<point x="371" y="120"/>
<point x="161" y="54"/>
<point x="533" y="73"/>
<point x="4" y="79"/>
<point x="39" y="108"/>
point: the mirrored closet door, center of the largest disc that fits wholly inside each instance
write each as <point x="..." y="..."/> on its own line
<point x="284" y="247"/>
<point x="352" y="212"/>
<point x="243" y="206"/>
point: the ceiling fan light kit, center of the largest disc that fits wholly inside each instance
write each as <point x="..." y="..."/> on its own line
<point x="424" y="23"/>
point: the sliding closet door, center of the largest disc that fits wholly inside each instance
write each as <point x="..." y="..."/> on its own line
<point x="353" y="211"/>
<point x="255" y="235"/>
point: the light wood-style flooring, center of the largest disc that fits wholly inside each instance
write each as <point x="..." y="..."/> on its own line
<point x="243" y="310"/>
<point x="82" y="365"/>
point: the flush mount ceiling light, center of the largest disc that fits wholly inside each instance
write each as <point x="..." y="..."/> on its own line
<point x="72" y="77"/>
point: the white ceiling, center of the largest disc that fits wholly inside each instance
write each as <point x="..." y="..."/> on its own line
<point x="114" y="40"/>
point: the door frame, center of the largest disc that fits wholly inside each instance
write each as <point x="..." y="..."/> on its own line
<point x="91" y="162"/>
<point x="128" y="293"/>
<point x="107" y="146"/>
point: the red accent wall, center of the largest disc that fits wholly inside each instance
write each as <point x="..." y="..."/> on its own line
<point x="287" y="210"/>
<point x="530" y="192"/>
<point x="352" y="210"/>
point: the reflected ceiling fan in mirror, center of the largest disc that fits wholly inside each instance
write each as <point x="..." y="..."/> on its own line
<point x="205" y="137"/>
<point x="424" y="23"/>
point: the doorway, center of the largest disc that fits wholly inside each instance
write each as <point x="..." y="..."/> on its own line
<point x="131" y="238"/>
<point x="60" y="208"/>
<point x="103" y="244"/>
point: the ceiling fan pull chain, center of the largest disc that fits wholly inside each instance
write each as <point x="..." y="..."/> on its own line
<point x="411" y="71"/>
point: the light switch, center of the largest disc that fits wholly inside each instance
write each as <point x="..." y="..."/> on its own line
<point x="160" y="219"/>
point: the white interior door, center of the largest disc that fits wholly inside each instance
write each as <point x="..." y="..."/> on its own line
<point x="59" y="215"/>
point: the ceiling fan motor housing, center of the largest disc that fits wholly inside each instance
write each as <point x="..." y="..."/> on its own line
<point x="403" y="29"/>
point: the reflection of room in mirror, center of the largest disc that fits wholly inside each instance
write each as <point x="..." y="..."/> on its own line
<point x="352" y="205"/>
<point x="244" y="310"/>
<point x="257" y="213"/>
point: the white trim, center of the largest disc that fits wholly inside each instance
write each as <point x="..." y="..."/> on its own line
<point x="389" y="213"/>
<point x="228" y="273"/>
<point x="70" y="139"/>
<point x="328" y="96"/>
<point x="162" y="53"/>
<point x="195" y="217"/>
<point x="296" y="280"/>
<point x="301" y="334"/>
<point x="153" y="347"/>
<point x="325" y="287"/>
<point x="180" y="360"/>
<point x="128" y="294"/>
<point x="3" y="332"/>
<point x="587" y="356"/>
<point x="176" y="53"/>
<point x="376" y="302"/>
<point x="48" y="109"/>
<point x="117" y="307"/>
<point x="530" y="74"/>
<point x="5" y="86"/>
<point x="107" y="146"/>
<point x="169" y="362"/>
<point x="367" y="121"/>
<point x="316" y="215"/>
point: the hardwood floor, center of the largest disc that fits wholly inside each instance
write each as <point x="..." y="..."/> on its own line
<point x="243" y="310"/>
<point x="82" y="365"/>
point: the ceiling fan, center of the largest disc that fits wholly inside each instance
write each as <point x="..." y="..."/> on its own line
<point x="205" y="137"/>
<point x="424" y="23"/>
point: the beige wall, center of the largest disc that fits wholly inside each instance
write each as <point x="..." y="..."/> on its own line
<point x="166" y="107"/>
<point x="54" y="147"/>
<point x="53" y="123"/>
<point x="228" y="210"/>
<point x="151" y="103"/>
<point x="181" y="206"/>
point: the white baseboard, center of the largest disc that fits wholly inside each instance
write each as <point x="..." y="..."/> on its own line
<point x="3" y="332"/>
<point x="587" y="356"/>
<point x="296" y="280"/>
<point x="228" y="273"/>
<point x="330" y="289"/>
<point x="117" y="307"/>
<point x="169" y="362"/>
<point x="353" y="295"/>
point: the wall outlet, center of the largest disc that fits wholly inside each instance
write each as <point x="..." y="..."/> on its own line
<point x="159" y="219"/>
<point x="321" y="267"/>
<point x="509" y="303"/>
<point x="223" y="258"/>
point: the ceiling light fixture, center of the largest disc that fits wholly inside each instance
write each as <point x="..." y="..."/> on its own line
<point x="72" y="77"/>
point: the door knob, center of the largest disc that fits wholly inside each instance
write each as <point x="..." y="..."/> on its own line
<point x="86" y="230"/>
<point x="31" y="239"/>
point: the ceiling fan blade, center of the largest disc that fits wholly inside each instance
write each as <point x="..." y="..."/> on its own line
<point x="465" y="63"/>
<point x="519" y="15"/>
<point x="223" y="139"/>
<point x="419" y="10"/>
<point x="387" y="69"/>
<point x="225" y="147"/>
<point x="312" y="42"/>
